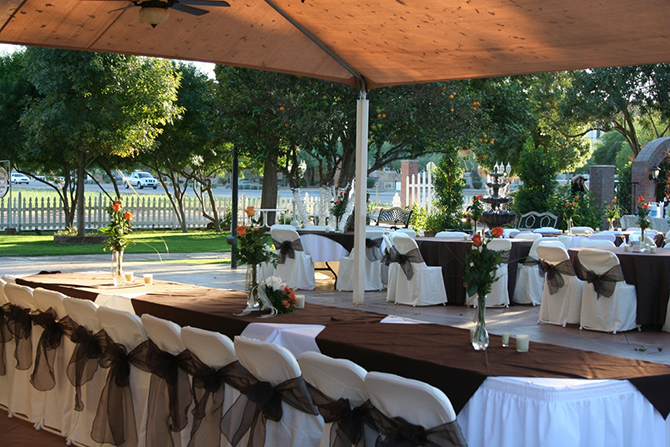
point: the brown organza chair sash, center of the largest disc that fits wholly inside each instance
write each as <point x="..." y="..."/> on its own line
<point x="169" y="374"/>
<point x="5" y="336"/>
<point x="287" y="248"/>
<point x="347" y="422"/>
<point x="114" y="421"/>
<point x="530" y="262"/>
<point x="406" y="260"/>
<point x="260" y="401"/>
<point x="554" y="274"/>
<point x="603" y="284"/>
<point x="43" y="377"/>
<point x="88" y="350"/>
<point x="21" y="326"/>
<point x="397" y="432"/>
<point x="389" y="256"/>
<point x="208" y="384"/>
<point x="373" y="249"/>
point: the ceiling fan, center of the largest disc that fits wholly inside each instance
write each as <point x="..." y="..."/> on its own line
<point x="155" y="12"/>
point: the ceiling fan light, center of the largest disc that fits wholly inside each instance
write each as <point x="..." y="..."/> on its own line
<point x="154" y="15"/>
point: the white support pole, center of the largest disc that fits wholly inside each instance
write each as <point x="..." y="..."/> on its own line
<point x="362" y="116"/>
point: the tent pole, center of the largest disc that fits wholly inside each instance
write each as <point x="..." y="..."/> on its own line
<point x="362" y="118"/>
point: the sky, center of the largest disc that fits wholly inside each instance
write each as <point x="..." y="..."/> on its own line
<point x="206" y="67"/>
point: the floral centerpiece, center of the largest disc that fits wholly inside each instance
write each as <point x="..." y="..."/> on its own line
<point x="476" y="210"/>
<point x="642" y="220"/>
<point x="569" y="211"/>
<point x="250" y="248"/>
<point x="120" y="226"/>
<point x="612" y="212"/>
<point x="338" y="209"/>
<point x="279" y="295"/>
<point x="481" y="265"/>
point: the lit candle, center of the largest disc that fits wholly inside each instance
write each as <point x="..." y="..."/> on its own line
<point x="129" y="276"/>
<point x="505" y="339"/>
<point x="522" y="342"/>
<point x="148" y="279"/>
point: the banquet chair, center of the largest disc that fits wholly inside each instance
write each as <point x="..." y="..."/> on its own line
<point x="300" y="424"/>
<point x="6" y="350"/>
<point x="88" y="347"/>
<point x="25" y="402"/>
<point x="168" y="418"/>
<point x="547" y="230"/>
<point x="499" y="296"/>
<point x="527" y="236"/>
<point x="216" y="352"/>
<point x="587" y="231"/>
<point x="387" y="253"/>
<point x="424" y="286"/>
<point x="402" y="401"/>
<point x="596" y="243"/>
<point x="296" y="272"/>
<point x="510" y="233"/>
<point x="457" y="234"/>
<point x="528" y="289"/>
<point x="561" y="304"/>
<point x="604" y="235"/>
<point x="373" y="280"/>
<point x="127" y="339"/>
<point x="600" y="312"/>
<point x="9" y="279"/>
<point x="59" y="393"/>
<point x="336" y="379"/>
<point x="565" y="240"/>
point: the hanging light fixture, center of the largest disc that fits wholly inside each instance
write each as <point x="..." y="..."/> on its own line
<point x="655" y="171"/>
<point x="154" y="12"/>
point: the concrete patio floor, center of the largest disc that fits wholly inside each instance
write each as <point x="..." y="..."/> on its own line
<point x="189" y="268"/>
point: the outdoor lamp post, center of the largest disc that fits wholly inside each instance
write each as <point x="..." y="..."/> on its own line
<point x="653" y="175"/>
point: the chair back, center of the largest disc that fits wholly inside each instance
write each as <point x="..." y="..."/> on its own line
<point x="266" y="361"/>
<point x="21" y="296"/>
<point x="404" y="244"/>
<point x="122" y="327"/>
<point x="408" y="231"/>
<point x="565" y="240"/>
<point x="284" y="234"/>
<point x="213" y="349"/>
<point x="598" y="261"/>
<point x="604" y="236"/>
<point x="9" y="279"/>
<point x="165" y="334"/>
<point x="416" y="402"/>
<point x="553" y="254"/>
<point x="336" y="378"/>
<point x="532" y="253"/>
<point x="500" y="244"/>
<point x="547" y="230"/>
<point x="528" y="236"/>
<point x="46" y="299"/>
<point x="602" y="243"/>
<point x="318" y="228"/>
<point x="457" y="234"/>
<point x="83" y="312"/>
<point x="373" y="233"/>
<point x="549" y="242"/>
<point x="582" y="230"/>
<point x="3" y="297"/>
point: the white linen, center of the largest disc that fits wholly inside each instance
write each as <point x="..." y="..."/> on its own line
<point x="401" y="320"/>
<point x="297" y="338"/>
<point x="118" y="301"/>
<point x="322" y="249"/>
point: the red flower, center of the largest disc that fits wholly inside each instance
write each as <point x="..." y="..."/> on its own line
<point x="285" y="303"/>
<point x="608" y="207"/>
<point x="574" y="203"/>
<point x="287" y="289"/>
<point x="292" y="298"/>
<point x="497" y="232"/>
<point x="646" y="206"/>
<point x="128" y="216"/>
<point x="241" y="230"/>
<point x="614" y="200"/>
<point x="567" y="204"/>
<point x="640" y="199"/>
<point x="337" y="202"/>
<point x="576" y="197"/>
<point x="477" y="240"/>
<point x="116" y="207"/>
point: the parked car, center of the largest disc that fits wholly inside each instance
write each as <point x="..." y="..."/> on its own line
<point x="18" y="178"/>
<point x="141" y="179"/>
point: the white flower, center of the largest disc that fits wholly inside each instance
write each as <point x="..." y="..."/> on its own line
<point x="277" y="283"/>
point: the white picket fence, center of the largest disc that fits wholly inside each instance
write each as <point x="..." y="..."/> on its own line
<point x="46" y="213"/>
<point x="419" y="189"/>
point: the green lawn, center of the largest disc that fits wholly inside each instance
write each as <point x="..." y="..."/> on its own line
<point x="195" y="241"/>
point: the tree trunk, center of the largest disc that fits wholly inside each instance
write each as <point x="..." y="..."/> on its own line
<point x="270" y="186"/>
<point x="81" y="203"/>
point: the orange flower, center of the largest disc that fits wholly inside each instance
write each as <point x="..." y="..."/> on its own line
<point x="477" y="240"/>
<point x="287" y="289"/>
<point x="241" y="230"/>
<point x="250" y="211"/>
<point x="337" y="202"/>
<point x="646" y="206"/>
<point x="116" y="207"/>
<point x="608" y="207"/>
<point x="640" y="199"/>
<point x="292" y="298"/>
<point x="479" y="197"/>
<point x="614" y="200"/>
<point x="128" y="216"/>
<point x="285" y="303"/>
<point x="576" y="197"/>
<point x="574" y="203"/>
<point x="497" y="232"/>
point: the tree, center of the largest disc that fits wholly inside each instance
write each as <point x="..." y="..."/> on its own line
<point x="537" y="168"/>
<point x="91" y="105"/>
<point x="616" y="98"/>
<point x="449" y="184"/>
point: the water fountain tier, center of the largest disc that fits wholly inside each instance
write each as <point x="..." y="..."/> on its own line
<point x="495" y="216"/>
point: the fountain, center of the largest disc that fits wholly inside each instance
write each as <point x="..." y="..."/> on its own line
<point x="496" y="216"/>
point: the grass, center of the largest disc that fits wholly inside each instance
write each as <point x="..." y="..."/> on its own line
<point x="163" y="242"/>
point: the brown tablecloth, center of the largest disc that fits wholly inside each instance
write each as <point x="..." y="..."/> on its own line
<point x="650" y="273"/>
<point x="450" y="255"/>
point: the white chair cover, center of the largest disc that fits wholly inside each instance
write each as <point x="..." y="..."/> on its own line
<point x="84" y="313"/>
<point x="510" y="233"/>
<point x="582" y="230"/>
<point x="126" y="329"/>
<point x="317" y="228"/>
<point x="271" y="363"/>
<point x="600" y="313"/>
<point x="5" y="380"/>
<point x="373" y="271"/>
<point x="297" y="273"/>
<point x="426" y="288"/>
<point x="337" y="379"/>
<point x="528" y="289"/>
<point x="216" y="351"/>
<point x="59" y="401"/>
<point x="596" y="243"/>
<point x="528" y="236"/>
<point x="547" y="230"/>
<point x="604" y="235"/>
<point x="565" y="240"/>
<point x="10" y="279"/>
<point x="499" y="296"/>
<point x="456" y="234"/>
<point x="385" y="271"/>
<point x="565" y="305"/>
<point x="408" y="231"/>
<point x="166" y="335"/>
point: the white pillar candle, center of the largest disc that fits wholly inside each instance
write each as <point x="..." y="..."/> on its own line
<point x="129" y="276"/>
<point x="522" y="342"/>
<point x="148" y="279"/>
<point x="300" y="301"/>
<point x="505" y="339"/>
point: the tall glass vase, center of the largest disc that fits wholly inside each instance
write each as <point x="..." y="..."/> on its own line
<point x="569" y="225"/>
<point x="252" y="286"/>
<point x="611" y="224"/>
<point x="117" y="268"/>
<point x="643" y="240"/>
<point x="480" y="336"/>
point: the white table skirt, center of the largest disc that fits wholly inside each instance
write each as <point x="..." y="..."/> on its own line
<point x="322" y="249"/>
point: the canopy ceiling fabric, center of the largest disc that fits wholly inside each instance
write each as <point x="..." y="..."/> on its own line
<point x="389" y="42"/>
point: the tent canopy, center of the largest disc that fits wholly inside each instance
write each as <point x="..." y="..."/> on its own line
<point x="388" y="42"/>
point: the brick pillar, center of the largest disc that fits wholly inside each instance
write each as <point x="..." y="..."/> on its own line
<point x="407" y="169"/>
<point x="601" y="185"/>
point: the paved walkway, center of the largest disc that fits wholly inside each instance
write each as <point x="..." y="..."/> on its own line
<point x="213" y="270"/>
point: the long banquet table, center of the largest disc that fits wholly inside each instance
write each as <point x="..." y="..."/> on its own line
<point x="650" y="273"/>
